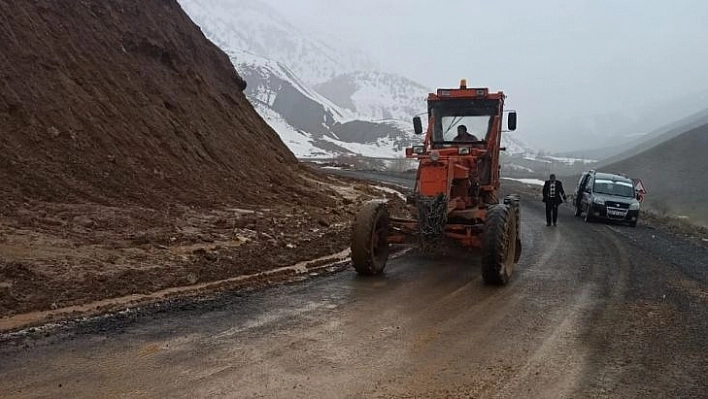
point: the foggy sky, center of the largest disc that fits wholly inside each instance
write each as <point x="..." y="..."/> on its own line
<point x="554" y="59"/>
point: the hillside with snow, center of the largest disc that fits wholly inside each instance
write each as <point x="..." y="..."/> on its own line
<point x="282" y="65"/>
<point x="256" y="27"/>
<point x="323" y="99"/>
<point x="310" y="124"/>
<point x="377" y="95"/>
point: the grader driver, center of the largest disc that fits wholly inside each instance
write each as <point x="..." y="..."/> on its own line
<point x="455" y="194"/>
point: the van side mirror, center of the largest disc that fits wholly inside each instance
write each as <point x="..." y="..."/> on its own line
<point x="417" y="125"/>
<point x="511" y="122"/>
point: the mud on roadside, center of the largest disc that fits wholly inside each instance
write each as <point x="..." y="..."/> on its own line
<point x="54" y="256"/>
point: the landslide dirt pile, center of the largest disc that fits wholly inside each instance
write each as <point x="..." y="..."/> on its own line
<point x="130" y="160"/>
<point x="125" y="101"/>
<point x="674" y="173"/>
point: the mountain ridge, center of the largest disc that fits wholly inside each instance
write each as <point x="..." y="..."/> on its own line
<point x="311" y="112"/>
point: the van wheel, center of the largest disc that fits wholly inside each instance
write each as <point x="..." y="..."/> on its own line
<point x="588" y="216"/>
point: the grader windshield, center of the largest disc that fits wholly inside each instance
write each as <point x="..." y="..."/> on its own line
<point x="475" y="115"/>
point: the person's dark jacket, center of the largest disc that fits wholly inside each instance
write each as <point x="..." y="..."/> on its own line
<point x="465" y="137"/>
<point x="560" y="194"/>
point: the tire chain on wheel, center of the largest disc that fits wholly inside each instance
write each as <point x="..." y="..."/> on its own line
<point x="495" y="244"/>
<point x="432" y="216"/>
<point x="513" y="201"/>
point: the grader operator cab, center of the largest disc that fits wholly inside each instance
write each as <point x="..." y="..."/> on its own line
<point x="456" y="191"/>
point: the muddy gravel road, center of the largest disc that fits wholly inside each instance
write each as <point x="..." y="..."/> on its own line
<point x="592" y="311"/>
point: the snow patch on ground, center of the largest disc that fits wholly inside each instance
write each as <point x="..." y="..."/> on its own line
<point x="513" y="144"/>
<point x="570" y="161"/>
<point x="552" y="159"/>
<point x="390" y="191"/>
<point x="518" y="167"/>
<point x="381" y="96"/>
<point x="535" y="182"/>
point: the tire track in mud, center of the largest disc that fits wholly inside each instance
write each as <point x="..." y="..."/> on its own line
<point x="479" y="325"/>
<point x="557" y="365"/>
<point x="552" y="362"/>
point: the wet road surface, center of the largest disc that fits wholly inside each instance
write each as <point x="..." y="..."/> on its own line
<point x="589" y="313"/>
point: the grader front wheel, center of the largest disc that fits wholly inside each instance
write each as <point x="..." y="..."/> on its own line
<point x="499" y="244"/>
<point x="370" y="239"/>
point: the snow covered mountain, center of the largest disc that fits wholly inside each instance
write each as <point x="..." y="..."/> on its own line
<point x="323" y="99"/>
<point x="256" y="27"/>
<point x="281" y="65"/>
<point x="310" y="124"/>
<point x="515" y="145"/>
<point x="377" y="95"/>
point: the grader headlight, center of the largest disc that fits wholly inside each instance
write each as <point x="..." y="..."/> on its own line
<point x="435" y="155"/>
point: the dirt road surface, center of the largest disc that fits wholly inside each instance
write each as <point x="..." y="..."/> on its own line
<point x="592" y="311"/>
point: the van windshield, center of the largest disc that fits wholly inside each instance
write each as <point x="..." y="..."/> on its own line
<point x="612" y="187"/>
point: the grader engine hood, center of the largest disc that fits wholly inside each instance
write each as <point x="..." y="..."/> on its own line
<point x="433" y="180"/>
<point x="437" y="177"/>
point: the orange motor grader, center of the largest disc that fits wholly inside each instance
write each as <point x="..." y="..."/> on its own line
<point x="455" y="194"/>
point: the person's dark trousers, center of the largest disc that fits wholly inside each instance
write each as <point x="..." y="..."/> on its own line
<point x="551" y="213"/>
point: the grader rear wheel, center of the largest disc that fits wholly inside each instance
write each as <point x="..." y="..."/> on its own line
<point x="499" y="244"/>
<point x="370" y="239"/>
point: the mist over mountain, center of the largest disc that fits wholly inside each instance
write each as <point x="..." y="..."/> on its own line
<point x="323" y="98"/>
<point x="673" y="171"/>
<point x="309" y="123"/>
<point x="608" y="134"/>
<point x="375" y="94"/>
<point x="257" y="27"/>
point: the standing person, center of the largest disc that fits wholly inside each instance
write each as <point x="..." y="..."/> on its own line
<point x="553" y="195"/>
